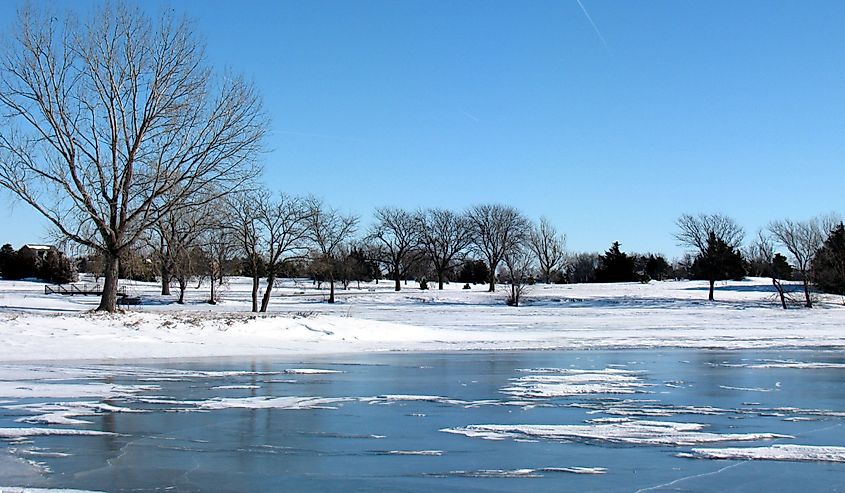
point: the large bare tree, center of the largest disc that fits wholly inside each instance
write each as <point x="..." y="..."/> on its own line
<point x="803" y="239"/>
<point x="496" y="230"/>
<point x="246" y="230"/>
<point x="445" y="236"/>
<point x="396" y="237"/>
<point x="328" y="231"/>
<point x="549" y="248"/>
<point x="702" y="231"/>
<point x="110" y="122"/>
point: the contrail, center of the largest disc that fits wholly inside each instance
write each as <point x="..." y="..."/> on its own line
<point x="470" y="116"/>
<point x="595" y="27"/>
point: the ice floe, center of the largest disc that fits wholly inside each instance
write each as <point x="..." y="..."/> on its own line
<point x="27" y="489"/>
<point x="520" y="473"/>
<point x="613" y="430"/>
<point x="800" y="453"/>
<point x="564" y="382"/>
<point x="412" y="452"/>
<point x="18" y="433"/>
<point x="64" y="413"/>
<point x="309" y="371"/>
<point x="290" y="402"/>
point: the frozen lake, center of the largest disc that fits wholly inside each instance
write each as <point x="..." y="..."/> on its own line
<point x="668" y="420"/>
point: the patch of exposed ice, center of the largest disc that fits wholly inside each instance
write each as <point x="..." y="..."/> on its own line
<point x="236" y="387"/>
<point x="27" y="489"/>
<point x="561" y="382"/>
<point x="792" y="453"/>
<point x="63" y="413"/>
<point x="413" y="452"/>
<point x="521" y="473"/>
<point x="290" y="402"/>
<point x="18" y="433"/>
<point x="29" y="389"/>
<point x="801" y="365"/>
<point x="309" y="371"/>
<point x="613" y="430"/>
<point x="747" y="389"/>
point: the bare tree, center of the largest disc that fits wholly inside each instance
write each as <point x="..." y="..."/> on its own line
<point x="328" y="231"/>
<point x="112" y="122"/>
<point x="173" y="239"/>
<point x="444" y="236"/>
<point x="218" y="245"/>
<point x="549" y="248"/>
<point x="284" y="222"/>
<point x="396" y="237"/>
<point x="803" y="239"/>
<point x="519" y="264"/>
<point x="701" y="231"/>
<point x="246" y="228"/>
<point x="496" y="230"/>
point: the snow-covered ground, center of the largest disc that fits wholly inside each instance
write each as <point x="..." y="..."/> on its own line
<point x="36" y="326"/>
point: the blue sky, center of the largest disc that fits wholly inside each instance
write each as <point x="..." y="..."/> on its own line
<point x="671" y="107"/>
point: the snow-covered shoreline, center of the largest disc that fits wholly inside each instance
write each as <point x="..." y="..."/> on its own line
<point x="39" y="327"/>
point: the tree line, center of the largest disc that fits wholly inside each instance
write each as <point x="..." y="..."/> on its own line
<point x="120" y="133"/>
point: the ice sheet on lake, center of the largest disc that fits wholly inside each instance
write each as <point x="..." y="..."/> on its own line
<point x="63" y="413"/>
<point x="521" y="473"/>
<point x="236" y="387"/>
<point x="613" y="430"/>
<point x="27" y="489"/>
<point x="309" y="371"/>
<point x="29" y="389"/>
<point x="434" y="453"/>
<point x="565" y="382"/>
<point x="793" y="453"/>
<point x="290" y="402"/>
<point x="18" y="433"/>
<point x="801" y="365"/>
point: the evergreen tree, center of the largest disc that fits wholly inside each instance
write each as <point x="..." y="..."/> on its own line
<point x="56" y="268"/>
<point x="9" y="263"/>
<point x="474" y="271"/>
<point x="718" y="262"/>
<point x="828" y="264"/>
<point x="616" y="266"/>
<point x="779" y="269"/>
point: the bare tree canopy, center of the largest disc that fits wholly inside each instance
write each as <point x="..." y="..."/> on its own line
<point x="715" y="237"/>
<point x="549" y="248"/>
<point x="283" y="222"/>
<point x="496" y="230"/>
<point x="803" y="239"/>
<point x="693" y="231"/>
<point x="445" y="236"/>
<point x="328" y="230"/>
<point x="396" y="236"/>
<point x="109" y="124"/>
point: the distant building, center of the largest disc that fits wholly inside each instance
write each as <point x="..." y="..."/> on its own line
<point x="35" y="252"/>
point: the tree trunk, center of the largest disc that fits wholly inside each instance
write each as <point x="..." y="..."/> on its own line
<point x="779" y="288"/>
<point x="183" y="285"/>
<point x="712" y="284"/>
<point x="331" y="289"/>
<point x="492" y="279"/>
<point x="397" y="279"/>
<point x="440" y="281"/>
<point x="514" y="297"/>
<point x="808" y="300"/>
<point x="165" y="280"/>
<point x="108" y="300"/>
<point x="255" y="281"/>
<point x="212" y="300"/>
<point x="265" y="301"/>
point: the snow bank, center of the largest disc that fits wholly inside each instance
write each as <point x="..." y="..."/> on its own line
<point x="35" y="326"/>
